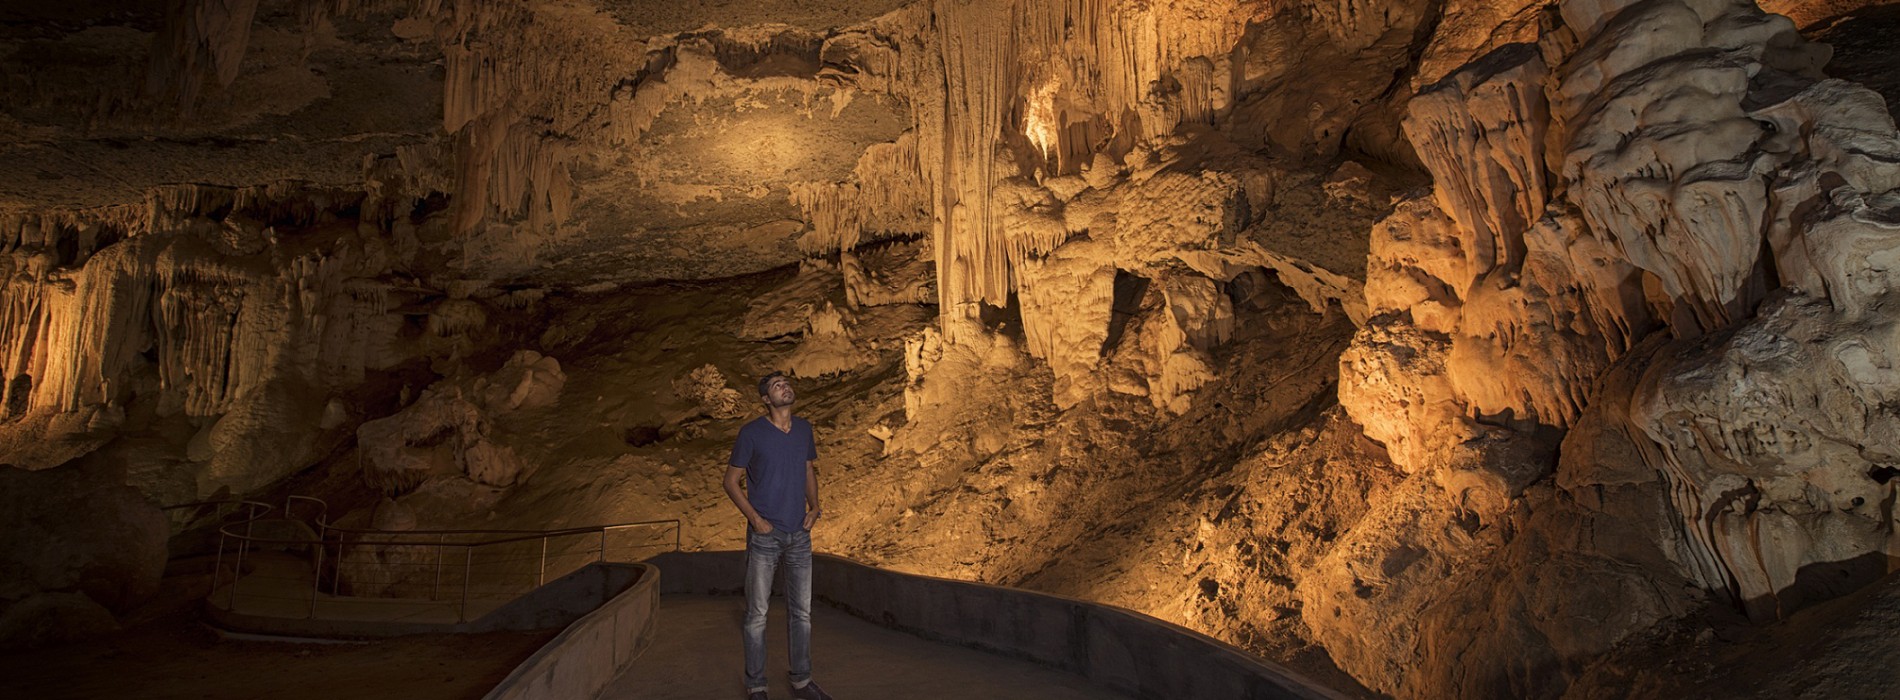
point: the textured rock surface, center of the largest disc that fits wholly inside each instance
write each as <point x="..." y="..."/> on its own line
<point x="1644" y="167"/>
<point x="1783" y="481"/>
<point x="79" y="546"/>
<point x="450" y="430"/>
<point x="1074" y="286"/>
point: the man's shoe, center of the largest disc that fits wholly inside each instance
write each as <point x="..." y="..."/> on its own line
<point x="811" y="691"/>
<point x="758" y="695"/>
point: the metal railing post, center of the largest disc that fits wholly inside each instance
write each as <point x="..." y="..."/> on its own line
<point x="468" y="572"/>
<point x="237" y="570"/>
<point x="541" y="574"/>
<point x="316" y="579"/>
<point x="217" y="567"/>
<point x="436" y="593"/>
<point x="336" y="582"/>
<point x="601" y="556"/>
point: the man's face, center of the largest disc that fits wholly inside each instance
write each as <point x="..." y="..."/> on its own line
<point x="778" y="392"/>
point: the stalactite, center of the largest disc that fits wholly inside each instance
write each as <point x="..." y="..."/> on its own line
<point x="202" y="40"/>
<point x="863" y="288"/>
<point x="834" y="214"/>
<point x="883" y="199"/>
<point x="522" y="86"/>
<point x="95" y="329"/>
<point x="394" y="183"/>
<point x="508" y="170"/>
<point x="1031" y="72"/>
<point x="91" y="289"/>
<point x="979" y="64"/>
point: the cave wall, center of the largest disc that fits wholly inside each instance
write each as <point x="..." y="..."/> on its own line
<point x="227" y="221"/>
<point x="1639" y="226"/>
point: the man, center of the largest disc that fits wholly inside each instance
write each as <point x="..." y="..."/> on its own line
<point x="780" y="501"/>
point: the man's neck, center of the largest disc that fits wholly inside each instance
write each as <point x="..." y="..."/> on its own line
<point x="781" y="416"/>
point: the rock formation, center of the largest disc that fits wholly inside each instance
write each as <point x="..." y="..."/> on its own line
<point x="1438" y="348"/>
<point x="81" y="548"/>
<point x="1645" y="167"/>
<point x="450" y="429"/>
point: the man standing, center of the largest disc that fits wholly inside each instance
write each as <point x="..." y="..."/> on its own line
<point x="780" y="501"/>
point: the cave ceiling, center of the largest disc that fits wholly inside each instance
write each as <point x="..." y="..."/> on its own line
<point x="701" y="188"/>
<point x="1552" y="307"/>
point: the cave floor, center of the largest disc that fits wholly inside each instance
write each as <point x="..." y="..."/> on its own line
<point x="177" y="658"/>
<point x="696" y="653"/>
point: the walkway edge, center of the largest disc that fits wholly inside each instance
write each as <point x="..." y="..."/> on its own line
<point x="589" y="654"/>
<point x="1116" y="648"/>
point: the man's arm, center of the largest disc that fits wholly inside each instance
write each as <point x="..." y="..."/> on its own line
<point x="811" y="494"/>
<point x="737" y="494"/>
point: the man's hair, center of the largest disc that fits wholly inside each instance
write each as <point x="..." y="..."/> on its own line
<point x="767" y="379"/>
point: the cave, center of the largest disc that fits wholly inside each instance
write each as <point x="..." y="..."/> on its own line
<point x="1174" y="349"/>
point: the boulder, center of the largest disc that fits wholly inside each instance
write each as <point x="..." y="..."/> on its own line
<point x="78" y="532"/>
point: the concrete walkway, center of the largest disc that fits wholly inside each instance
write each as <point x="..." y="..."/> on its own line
<point x="697" y="654"/>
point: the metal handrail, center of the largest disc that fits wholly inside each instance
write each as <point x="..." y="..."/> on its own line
<point x="525" y="535"/>
<point x="328" y="536"/>
<point x="219" y="502"/>
<point x="258" y="508"/>
<point x="323" y="508"/>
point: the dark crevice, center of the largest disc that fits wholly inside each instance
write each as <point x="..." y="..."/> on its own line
<point x="1129" y="290"/>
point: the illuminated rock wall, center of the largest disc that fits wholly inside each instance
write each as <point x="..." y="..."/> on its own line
<point x="195" y="294"/>
<point x="1645" y="167"/>
<point x="1630" y="350"/>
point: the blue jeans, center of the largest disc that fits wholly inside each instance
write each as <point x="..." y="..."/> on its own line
<point x="762" y="555"/>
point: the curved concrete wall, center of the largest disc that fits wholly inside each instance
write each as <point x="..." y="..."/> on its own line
<point x="1118" y="649"/>
<point x="584" y="658"/>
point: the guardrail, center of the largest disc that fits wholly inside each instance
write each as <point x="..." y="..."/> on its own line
<point x="1113" y="647"/>
<point x="185" y="516"/>
<point x="312" y="569"/>
<point x="192" y="526"/>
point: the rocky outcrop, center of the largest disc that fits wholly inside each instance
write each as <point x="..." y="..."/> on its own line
<point x="385" y="570"/>
<point x="451" y="429"/>
<point x="1648" y="167"/>
<point x="80" y="546"/>
<point x="191" y="308"/>
<point x="711" y="395"/>
<point x="1782" y="458"/>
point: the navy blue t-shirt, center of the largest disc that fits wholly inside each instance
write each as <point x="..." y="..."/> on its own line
<point x="774" y="461"/>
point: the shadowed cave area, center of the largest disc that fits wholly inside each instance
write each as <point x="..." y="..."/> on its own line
<point x="1376" y="349"/>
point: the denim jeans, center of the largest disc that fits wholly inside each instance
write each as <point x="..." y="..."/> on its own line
<point x="763" y="553"/>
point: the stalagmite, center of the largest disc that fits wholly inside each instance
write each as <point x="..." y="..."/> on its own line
<point x="707" y="388"/>
<point x="1450" y="349"/>
<point x="1066" y="304"/>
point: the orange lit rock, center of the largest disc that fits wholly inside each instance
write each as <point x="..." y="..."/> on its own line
<point x="1593" y="198"/>
<point x="1067" y="301"/>
<point x="1149" y="303"/>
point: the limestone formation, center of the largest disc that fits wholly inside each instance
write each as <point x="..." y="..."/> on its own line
<point x="1067" y="303"/>
<point x="1585" y="196"/>
<point x="828" y="345"/>
<point x="451" y="429"/>
<point x="709" y="390"/>
<point x="384" y="570"/>
<point x="1780" y="483"/>
<point x="1440" y="349"/>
